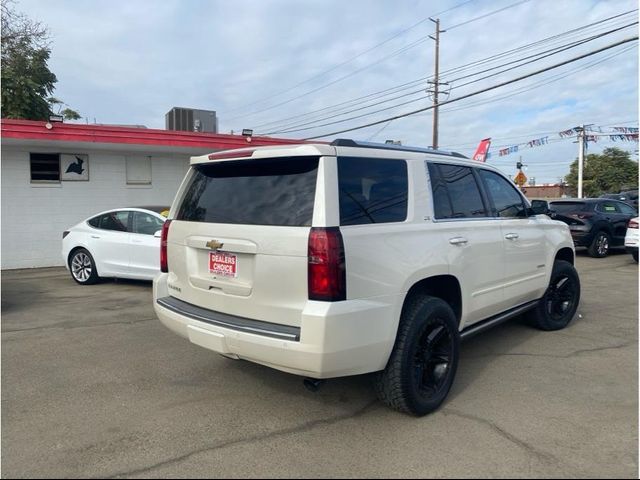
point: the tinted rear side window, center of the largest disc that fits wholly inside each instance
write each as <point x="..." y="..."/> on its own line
<point x="455" y="192"/>
<point x="111" y="221"/>
<point x="372" y="190"/>
<point x="506" y="200"/>
<point x="279" y="191"/>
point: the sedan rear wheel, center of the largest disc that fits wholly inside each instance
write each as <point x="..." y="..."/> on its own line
<point x="599" y="248"/>
<point x="83" y="268"/>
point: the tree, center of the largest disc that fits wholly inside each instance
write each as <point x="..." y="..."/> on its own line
<point x="609" y="172"/>
<point x="27" y="82"/>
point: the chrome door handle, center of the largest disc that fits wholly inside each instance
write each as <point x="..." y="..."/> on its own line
<point x="95" y="236"/>
<point x="136" y="241"/>
<point x="458" y="241"/>
<point x="511" y="236"/>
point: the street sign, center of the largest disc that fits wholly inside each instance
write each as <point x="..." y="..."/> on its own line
<point x="520" y="179"/>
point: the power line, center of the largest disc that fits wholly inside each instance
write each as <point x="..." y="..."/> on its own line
<point x="300" y="126"/>
<point x="541" y="83"/>
<point x="540" y="56"/>
<point x="335" y="67"/>
<point x="365" y="67"/>
<point x="379" y="131"/>
<point x="539" y="42"/>
<point x="286" y="123"/>
<point x="488" y="14"/>
<point x="333" y="82"/>
<point x="493" y="87"/>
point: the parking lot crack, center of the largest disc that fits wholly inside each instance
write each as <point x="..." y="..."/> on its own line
<point x="546" y="457"/>
<point x="72" y="327"/>
<point x="305" y="427"/>
<point x="551" y="355"/>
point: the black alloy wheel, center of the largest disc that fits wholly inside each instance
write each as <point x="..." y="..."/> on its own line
<point x="561" y="297"/>
<point x="560" y="302"/>
<point x="424" y="360"/>
<point x="432" y="359"/>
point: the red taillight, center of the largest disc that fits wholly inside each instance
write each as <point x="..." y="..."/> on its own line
<point x="633" y="224"/>
<point x="326" y="270"/>
<point x="65" y="233"/>
<point x="164" y="265"/>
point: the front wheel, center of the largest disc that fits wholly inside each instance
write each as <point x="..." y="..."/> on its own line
<point x="83" y="267"/>
<point x="560" y="301"/>
<point x="424" y="359"/>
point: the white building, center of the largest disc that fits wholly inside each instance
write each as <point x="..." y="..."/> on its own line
<point x="55" y="175"/>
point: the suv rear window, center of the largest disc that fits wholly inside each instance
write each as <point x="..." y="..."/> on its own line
<point x="565" y="207"/>
<point x="278" y="191"/>
<point x="372" y="190"/>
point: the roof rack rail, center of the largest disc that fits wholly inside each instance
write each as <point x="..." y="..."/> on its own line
<point x="347" y="142"/>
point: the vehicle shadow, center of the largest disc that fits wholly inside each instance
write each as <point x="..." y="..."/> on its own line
<point x="476" y="354"/>
<point x="126" y="281"/>
<point x="336" y="392"/>
<point x="479" y="352"/>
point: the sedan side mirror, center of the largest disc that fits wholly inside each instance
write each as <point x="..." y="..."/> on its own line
<point x="540" y="207"/>
<point x="158" y="234"/>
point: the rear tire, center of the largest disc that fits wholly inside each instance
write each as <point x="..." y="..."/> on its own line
<point x="83" y="267"/>
<point x="424" y="360"/>
<point x="599" y="247"/>
<point x="560" y="302"/>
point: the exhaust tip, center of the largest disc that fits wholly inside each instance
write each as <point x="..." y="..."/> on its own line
<point x="313" y="384"/>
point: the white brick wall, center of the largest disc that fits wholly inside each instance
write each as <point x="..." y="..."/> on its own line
<point x="34" y="216"/>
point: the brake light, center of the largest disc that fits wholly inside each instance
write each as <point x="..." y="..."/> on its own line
<point x="65" y="233"/>
<point x="164" y="264"/>
<point x="326" y="265"/>
<point x="633" y="224"/>
<point x="231" y="154"/>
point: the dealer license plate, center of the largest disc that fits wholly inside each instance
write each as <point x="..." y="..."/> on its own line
<point x="225" y="264"/>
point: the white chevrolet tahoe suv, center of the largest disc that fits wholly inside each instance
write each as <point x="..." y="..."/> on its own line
<point x="343" y="259"/>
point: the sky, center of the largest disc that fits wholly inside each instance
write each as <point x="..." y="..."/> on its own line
<point x="258" y="63"/>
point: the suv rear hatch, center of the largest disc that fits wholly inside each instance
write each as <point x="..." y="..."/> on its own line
<point x="238" y="241"/>
<point x="570" y="212"/>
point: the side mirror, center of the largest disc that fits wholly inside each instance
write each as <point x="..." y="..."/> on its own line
<point x="158" y="234"/>
<point x="540" y="207"/>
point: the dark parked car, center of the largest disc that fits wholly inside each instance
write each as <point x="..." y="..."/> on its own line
<point x="629" y="197"/>
<point x="595" y="223"/>
<point x="632" y="197"/>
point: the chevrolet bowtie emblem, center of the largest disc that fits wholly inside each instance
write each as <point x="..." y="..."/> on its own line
<point x="214" y="244"/>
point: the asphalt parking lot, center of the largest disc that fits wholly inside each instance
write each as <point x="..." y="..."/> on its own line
<point x="94" y="386"/>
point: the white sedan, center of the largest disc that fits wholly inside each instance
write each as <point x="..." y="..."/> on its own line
<point x="122" y="243"/>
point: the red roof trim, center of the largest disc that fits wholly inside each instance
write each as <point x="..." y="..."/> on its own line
<point x="68" y="132"/>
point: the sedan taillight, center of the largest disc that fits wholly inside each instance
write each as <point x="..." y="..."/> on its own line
<point x="633" y="224"/>
<point x="164" y="264"/>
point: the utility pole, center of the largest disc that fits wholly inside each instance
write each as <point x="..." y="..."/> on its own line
<point x="581" y="133"/>
<point x="436" y="81"/>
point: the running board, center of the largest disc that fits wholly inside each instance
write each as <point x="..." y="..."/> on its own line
<point x="480" y="327"/>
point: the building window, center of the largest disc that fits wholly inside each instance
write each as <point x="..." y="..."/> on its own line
<point x="138" y="170"/>
<point x="45" y="167"/>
